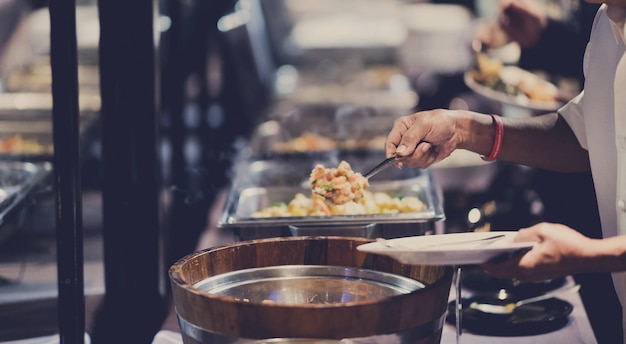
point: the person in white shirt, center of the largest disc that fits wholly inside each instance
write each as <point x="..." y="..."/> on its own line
<point x="587" y="133"/>
<point x="546" y="43"/>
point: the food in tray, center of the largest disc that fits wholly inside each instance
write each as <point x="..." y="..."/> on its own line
<point x="370" y="203"/>
<point x="375" y="143"/>
<point x="341" y="191"/>
<point x="338" y="185"/>
<point x="307" y="142"/>
<point x="16" y="144"/>
<point x="513" y="81"/>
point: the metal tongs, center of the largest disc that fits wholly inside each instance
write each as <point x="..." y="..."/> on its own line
<point x="383" y="165"/>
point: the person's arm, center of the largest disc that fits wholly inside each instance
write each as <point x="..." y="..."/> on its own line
<point x="542" y="141"/>
<point x="561" y="251"/>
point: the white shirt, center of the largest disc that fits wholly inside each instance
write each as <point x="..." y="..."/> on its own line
<point x="598" y="118"/>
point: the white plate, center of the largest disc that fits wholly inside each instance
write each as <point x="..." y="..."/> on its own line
<point x="513" y="72"/>
<point x="449" y="249"/>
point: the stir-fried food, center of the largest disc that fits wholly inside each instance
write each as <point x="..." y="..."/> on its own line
<point x="341" y="191"/>
<point x="370" y="203"/>
<point x="338" y="185"/>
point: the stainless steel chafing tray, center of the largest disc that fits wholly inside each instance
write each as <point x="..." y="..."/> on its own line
<point x="381" y="86"/>
<point x="293" y="170"/>
<point x="311" y="129"/>
<point x="261" y="183"/>
<point x="26" y="124"/>
<point x="27" y="141"/>
<point x="17" y="180"/>
<point x="38" y="105"/>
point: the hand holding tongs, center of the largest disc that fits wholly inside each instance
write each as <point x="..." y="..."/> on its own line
<point x="384" y="164"/>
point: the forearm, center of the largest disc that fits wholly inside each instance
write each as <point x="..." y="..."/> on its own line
<point x="543" y="141"/>
<point x="604" y="255"/>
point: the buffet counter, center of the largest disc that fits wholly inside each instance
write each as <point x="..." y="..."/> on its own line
<point x="575" y="328"/>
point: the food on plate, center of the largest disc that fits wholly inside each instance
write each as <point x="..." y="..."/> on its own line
<point x="513" y="81"/>
<point x="341" y="191"/>
<point x="338" y="185"/>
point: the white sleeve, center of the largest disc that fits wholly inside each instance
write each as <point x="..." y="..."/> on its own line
<point x="572" y="112"/>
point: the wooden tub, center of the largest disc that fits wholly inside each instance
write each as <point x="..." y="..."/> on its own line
<point x="414" y="317"/>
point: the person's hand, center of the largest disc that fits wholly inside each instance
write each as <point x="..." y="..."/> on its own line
<point x="489" y="35"/>
<point x="523" y="21"/>
<point x="423" y="138"/>
<point x="559" y="251"/>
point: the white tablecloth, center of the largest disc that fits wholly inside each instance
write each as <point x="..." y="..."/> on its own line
<point x="577" y="330"/>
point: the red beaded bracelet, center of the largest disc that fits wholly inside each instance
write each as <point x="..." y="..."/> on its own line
<point x="497" y="141"/>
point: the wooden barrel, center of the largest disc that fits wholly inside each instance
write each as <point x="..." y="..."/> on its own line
<point x="415" y="317"/>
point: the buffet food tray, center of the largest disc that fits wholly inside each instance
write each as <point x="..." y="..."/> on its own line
<point x="294" y="170"/>
<point x="17" y="181"/>
<point x="38" y="105"/>
<point x="382" y="86"/>
<point x="27" y="145"/>
<point x="262" y="183"/>
<point x="26" y="132"/>
<point x="321" y="128"/>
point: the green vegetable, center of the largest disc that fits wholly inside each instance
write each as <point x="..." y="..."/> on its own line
<point x="327" y="187"/>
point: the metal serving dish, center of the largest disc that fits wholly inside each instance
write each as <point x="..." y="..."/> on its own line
<point x="28" y="141"/>
<point x="327" y="128"/>
<point x="26" y="124"/>
<point x="37" y="77"/>
<point x="340" y="95"/>
<point x="341" y="31"/>
<point x="308" y="284"/>
<point x="17" y="180"/>
<point x="262" y="183"/>
<point x="294" y="171"/>
<point x="28" y="106"/>
<point x="328" y="82"/>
